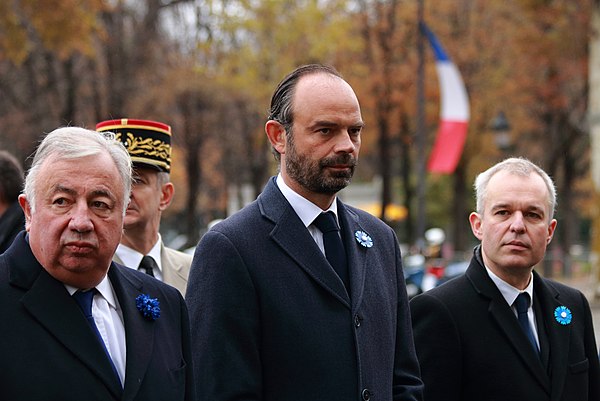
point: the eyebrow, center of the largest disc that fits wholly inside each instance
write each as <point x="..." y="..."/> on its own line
<point x="61" y="188"/>
<point x="102" y="192"/>
<point x="530" y="208"/>
<point x="327" y="123"/>
<point x="58" y="188"/>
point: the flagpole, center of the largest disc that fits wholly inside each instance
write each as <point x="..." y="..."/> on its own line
<point x="421" y="135"/>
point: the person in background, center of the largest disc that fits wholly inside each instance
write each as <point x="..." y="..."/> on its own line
<point x="76" y="326"/>
<point x="141" y="247"/>
<point x="501" y="331"/>
<point x="299" y="296"/>
<point x="12" y="219"/>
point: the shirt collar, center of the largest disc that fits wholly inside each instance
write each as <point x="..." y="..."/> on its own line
<point x="509" y="292"/>
<point x="305" y="209"/>
<point x="132" y="258"/>
<point x="104" y="288"/>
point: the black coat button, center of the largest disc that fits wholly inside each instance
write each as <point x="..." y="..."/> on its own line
<point x="357" y="320"/>
<point x="366" y="394"/>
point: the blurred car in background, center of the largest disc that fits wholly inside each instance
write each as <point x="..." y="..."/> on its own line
<point x="453" y="270"/>
<point x="427" y="266"/>
<point x="422" y="275"/>
<point x="437" y="272"/>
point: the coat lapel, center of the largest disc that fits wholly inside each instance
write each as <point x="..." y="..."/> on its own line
<point x="558" y="335"/>
<point x="292" y="236"/>
<point x="139" y="332"/>
<point x="48" y="301"/>
<point x="173" y="270"/>
<point x="356" y="254"/>
<point x="506" y="322"/>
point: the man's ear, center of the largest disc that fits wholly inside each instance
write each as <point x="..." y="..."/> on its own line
<point x="475" y="220"/>
<point x="24" y="203"/>
<point x="166" y="195"/>
<point x="276" y="134"/>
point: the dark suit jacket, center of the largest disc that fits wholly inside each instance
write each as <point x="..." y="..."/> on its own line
<point x="272" y="321"/>
<point x="49" y="352"/>
<point x="471" y="347"/>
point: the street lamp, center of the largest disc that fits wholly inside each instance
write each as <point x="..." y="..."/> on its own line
<point x="501" y="128"/>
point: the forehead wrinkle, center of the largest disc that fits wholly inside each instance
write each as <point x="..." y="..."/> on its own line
<point x="512" y="205"/>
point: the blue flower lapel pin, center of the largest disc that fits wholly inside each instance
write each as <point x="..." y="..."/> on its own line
<point x="363" y="238"/>
<point x="148" y="307"/>
<point x="563" y="315"/>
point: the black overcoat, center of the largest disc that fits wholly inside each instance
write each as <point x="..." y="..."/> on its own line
<point x="471" y="347"/>
<point x="49" y="352"/>
<point x="272" y="321"/>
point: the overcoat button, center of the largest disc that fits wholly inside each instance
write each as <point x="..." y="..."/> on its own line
<point x="366" y="394"/>
<point x="357" y="320"/>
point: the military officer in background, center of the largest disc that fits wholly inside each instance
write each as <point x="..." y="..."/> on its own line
<point x="141" y="246"/>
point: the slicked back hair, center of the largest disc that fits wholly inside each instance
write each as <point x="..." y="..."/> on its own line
<point x="281" y="109"/>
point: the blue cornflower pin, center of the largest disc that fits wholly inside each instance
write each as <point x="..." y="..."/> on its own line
<point x="149" y="307"/>
<point x="364" y="239"/>
<point x="563" y="315"/>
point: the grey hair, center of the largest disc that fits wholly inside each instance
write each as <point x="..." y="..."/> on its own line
<point x="73" y="143"/>
<point x="162" y="178"/>
<point x="518" y="166"/>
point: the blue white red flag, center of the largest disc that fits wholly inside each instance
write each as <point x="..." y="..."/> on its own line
<point x="454" y="112"/>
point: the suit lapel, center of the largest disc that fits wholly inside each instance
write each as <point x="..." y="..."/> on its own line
<point x="139" y="332"/>
<point x="558" y="335"/>
<point x="507" y="323"/>
<point x="294" y="239"/>
<point x="48" y="301"/>
<point x="356" y="254"/>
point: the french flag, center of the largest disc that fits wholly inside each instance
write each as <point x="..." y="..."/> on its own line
<point x="454" y="112"/>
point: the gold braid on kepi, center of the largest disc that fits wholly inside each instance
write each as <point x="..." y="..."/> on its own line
<point x="148" y="142"/>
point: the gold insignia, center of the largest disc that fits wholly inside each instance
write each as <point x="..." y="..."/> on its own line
<point x="138" y="146"/>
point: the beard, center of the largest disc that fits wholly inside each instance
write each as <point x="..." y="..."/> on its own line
<point x="314" y="175"/>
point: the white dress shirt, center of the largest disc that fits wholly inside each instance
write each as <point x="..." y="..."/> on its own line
<point x="306" y="210"/>
<point x="510" y="293"/>
<point x="132" y="258"/>
<point x="109" y="320"/>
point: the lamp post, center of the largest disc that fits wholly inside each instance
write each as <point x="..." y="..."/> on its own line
<point x="501" y="128"/>
<point x="421" y="135"/>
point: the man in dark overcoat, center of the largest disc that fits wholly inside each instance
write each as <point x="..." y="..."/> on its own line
<point x="501" y="331"/>
<point x="76" y="326"/>
<point x="284" y="308"/>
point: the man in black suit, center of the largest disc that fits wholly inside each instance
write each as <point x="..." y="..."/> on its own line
<point x="76" y="326"/>
<point x="272" y="317"/>
<point x="12" y="220"/>
<point x="502" y="332"/>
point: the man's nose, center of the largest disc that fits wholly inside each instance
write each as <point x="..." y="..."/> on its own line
<point x="80" y="218"/>
<point x="518" y="222"/>
<point x="345" y="143"/>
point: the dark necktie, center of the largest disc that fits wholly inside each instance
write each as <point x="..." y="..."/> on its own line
<point x="522" y="304"/>
<point x="84" y="300"/>
<point x="334" y="248"/>
<point x="149" y="265"/>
